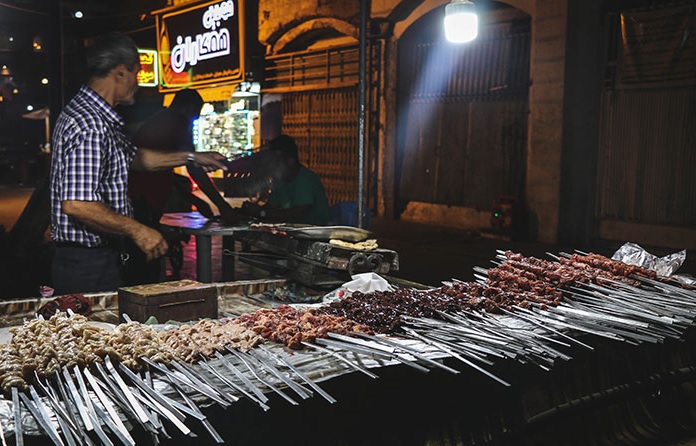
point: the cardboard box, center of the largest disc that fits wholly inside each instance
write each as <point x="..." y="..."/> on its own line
<point x="182" y="300"/>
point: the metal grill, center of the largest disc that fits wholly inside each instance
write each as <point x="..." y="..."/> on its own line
<point x="331" y="67"/>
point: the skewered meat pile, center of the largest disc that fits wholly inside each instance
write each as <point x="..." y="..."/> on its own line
<point x="131" y="341"/>
<point x="519" y="281"/>
<point x="557" y="274"/>
<point x="45" y="346"/>
<point x="206" y="337"/>
<point x="290" y="326"/>
<point x="383" y="310"/>
<point x="613" y="266"/>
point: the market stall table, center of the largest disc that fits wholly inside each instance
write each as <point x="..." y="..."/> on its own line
<point x="610" y="363"/>
<point x="202" y="228"/>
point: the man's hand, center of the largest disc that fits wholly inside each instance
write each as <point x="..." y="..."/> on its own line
<point x="102" y="219"/>
<point x="210" y="161"/>
<point x="150" y="242"/>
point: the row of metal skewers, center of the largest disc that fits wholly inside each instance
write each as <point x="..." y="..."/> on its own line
<point x="88" y="405"/>
<point x="94" y="404"/>
<point x="541" y="335"/>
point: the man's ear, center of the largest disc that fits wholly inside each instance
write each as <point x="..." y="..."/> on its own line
<point x="120" y="71"/>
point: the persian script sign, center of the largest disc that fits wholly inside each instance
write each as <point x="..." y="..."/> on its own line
<point x="201" y="45"/>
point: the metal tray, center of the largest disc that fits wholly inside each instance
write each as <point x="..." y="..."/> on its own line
<point x="346" y="233"/>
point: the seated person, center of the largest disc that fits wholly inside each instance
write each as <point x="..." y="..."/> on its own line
<point x="297" y="195"/>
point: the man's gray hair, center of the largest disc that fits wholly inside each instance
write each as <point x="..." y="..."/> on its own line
<point x="109" y="51"/>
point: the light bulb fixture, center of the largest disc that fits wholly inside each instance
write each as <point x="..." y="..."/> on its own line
<point x="461" y="21"/>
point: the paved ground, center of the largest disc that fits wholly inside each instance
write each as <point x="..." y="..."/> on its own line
<point x="12" y="202"/>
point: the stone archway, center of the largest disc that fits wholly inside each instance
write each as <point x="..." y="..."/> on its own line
<point x="407" y="12"/>
<point x="316" y="27"/>
<point x="461" y="118"/>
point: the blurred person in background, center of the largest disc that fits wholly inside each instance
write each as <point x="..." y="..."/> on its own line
<point x="169" y="131"/>
<point x="297" y="194"/>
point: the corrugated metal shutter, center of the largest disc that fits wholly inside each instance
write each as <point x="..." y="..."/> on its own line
<point x="647" y="156"/>
<point x="463" y="126"/>
<point x="647" y="142"/>
<point x="324" y="124"/>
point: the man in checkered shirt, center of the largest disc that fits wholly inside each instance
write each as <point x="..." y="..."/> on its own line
<point x="90" y="209"/>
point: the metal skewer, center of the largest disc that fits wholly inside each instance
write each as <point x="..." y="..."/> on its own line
<point x="259" y="394"/>
<point x="166" y="402"/>
<point x="137" y="408"/>
<point x="110" y="410"/>
<point x="192" y="406"/>
<point x="365" y="350"/>
<point x="232" y="385"/>
<point x="300" y="390"/>
<point x="65" y="422"/>
<point x="455" y="355"/>
<point x="2" y="435"/>
<point x="45" y="423"/>
<point x="192" y="372"/>
<point x="353" y="348"/>
<point x="19" y="432"/>
<point x="388" y="351"/>
<point x="109" y="385"/>
<point x="43" y="412"/>
<point x="341" y="358"/>
<point x="304" y="377"/>
<point x="410" y="351"/>
<point x="181" y="378"/>
<point x="204" y="384"/>
<point x="77" y="400"/>
<point x="157" y="407"/>
<point x="264" y="382"/>
<point x="70" y="407"/>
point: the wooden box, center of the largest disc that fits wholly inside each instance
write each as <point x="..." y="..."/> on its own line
<point x="182" y="300"/>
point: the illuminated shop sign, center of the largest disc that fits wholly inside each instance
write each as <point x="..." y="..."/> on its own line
<point x="148" y="76"/>
<point x="201" y="45"/>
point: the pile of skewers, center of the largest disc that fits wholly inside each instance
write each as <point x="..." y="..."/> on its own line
<point x="76" y="380"/>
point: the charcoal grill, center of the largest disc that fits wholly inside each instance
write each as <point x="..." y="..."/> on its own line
<point x="312" y="260"/>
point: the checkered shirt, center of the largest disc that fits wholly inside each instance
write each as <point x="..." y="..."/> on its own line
<point x="90" y="161"/>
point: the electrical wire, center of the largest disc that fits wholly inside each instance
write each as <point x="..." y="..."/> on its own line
<point x="18" y="8"/>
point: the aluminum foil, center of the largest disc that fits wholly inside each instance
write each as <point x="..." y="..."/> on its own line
<point x="634" y="254"/>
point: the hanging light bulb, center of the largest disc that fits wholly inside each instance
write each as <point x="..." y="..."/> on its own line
<point x="461" y="21"/>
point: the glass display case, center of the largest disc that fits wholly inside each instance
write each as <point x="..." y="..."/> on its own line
<point x="228" y="127"/>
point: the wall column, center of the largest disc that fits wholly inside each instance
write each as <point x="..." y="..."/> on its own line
<point x="546" y="97"/>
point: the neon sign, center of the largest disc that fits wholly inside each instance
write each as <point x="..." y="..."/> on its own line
<point x="148" y="76"/>
<point x="202" y="44"/>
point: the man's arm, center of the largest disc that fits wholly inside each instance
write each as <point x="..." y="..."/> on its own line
<point x="100" y="218"/>
<point x="203" y="181"/>
<point x="149" y="160"/>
